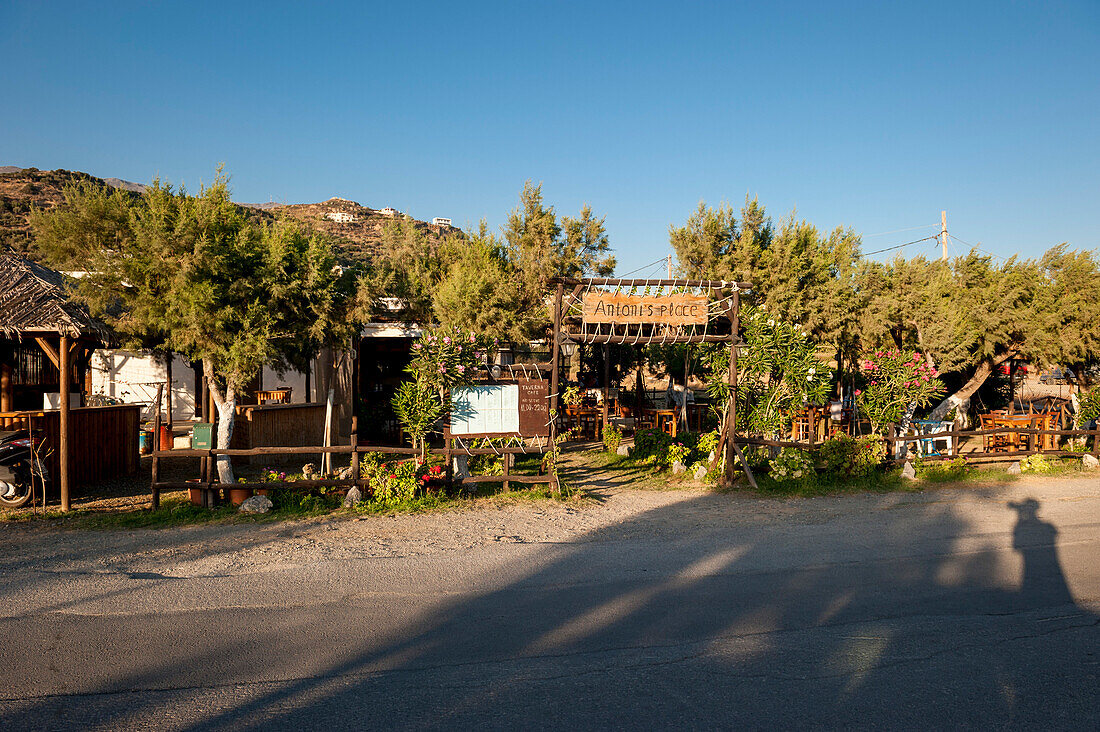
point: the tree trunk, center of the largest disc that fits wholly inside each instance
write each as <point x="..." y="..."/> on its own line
<point x="961" y="398"/>
<point x="227" y="414"/>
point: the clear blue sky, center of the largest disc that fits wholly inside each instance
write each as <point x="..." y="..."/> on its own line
<point x="873" y="115"/>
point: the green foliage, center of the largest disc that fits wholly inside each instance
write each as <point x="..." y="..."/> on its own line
<point x="678" y="452"/>
<point x="845" y="456"/>
<point x="417" y="407"/>
<point x="1036" y="464"/>
<point x="659" y="449"/>
<point x="778" y="372"/>
<point x="612" y="438"/>
<point x="395" y="482"/>
<point x="792" y="464"/>
<point x="540" y="251"/>
<point x="486" y="464"/>
<point x="195" y="275"/>
<point x="946" y="471"/>
<point x="895" y="380"/>
<point x="445" y="358"/>
<point x="571" y="396"/>
<point x="798" y="274"/>
<point x="651" y="445"/>
<point x="1088" y="406"/>
<point x="479" y="289"/>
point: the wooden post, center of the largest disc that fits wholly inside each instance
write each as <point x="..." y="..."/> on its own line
<point x="65" y="359"/>
<point x="507" y="457"/>
<point x="606" y="382"/>
<point x="154" y="488"/>
<point x="684" y="406"/>
<point x="555" y="358"/>
<point x="309" y="392"/>
<point x="168" y="403"/>
<point x="355" y="449"/>
<point x="731" y="412"/>
<point x="943" y="233"/>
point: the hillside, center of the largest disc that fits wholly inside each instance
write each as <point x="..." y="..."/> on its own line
<point x="356" y="230"/>
<point x="22" y="189"/>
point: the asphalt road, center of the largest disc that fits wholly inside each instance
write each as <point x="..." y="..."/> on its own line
<point x="970" y="609"/>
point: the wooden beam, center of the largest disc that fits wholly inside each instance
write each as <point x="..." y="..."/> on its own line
<point x="51" y="352"/>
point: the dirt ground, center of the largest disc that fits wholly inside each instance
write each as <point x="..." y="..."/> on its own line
<point x="602" y="500"/>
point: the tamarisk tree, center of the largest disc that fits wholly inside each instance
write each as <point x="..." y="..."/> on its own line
<point x="196" y="274"/>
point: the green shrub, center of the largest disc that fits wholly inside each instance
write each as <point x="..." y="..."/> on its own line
<point x="651" y="444"/>
<point x="846" y="456"/>
<point x="1036" y="464"/>
<point x="393" y="482"/>
<point x="942" y="472"/>
<point x="612" y="438"/>
<point x="792" y="464"/>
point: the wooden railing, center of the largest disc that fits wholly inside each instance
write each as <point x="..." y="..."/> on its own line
<point x="209" y="485"/>
<point x="954" y="438"/>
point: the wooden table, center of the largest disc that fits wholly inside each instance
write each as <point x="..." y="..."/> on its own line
<point x="1016" y="440"/>
<point x="665" y="420"/>
<point x="585" y="419"/>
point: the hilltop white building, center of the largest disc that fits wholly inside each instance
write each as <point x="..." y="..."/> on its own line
<point x="440" y="221"/>
<point x="341" y="217"/>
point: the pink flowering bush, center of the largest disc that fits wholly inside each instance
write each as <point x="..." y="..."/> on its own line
<point x="441" y="360"/>
<point x="895" y="380"/>
<point x="446" y="358"/>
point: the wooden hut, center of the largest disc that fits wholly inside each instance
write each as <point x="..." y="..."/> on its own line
<point x="46" y="340"/>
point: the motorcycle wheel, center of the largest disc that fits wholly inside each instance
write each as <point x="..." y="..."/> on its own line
<point x="23" y="485"/>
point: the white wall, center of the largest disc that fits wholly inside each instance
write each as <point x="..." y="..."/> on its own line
<point x="134" y="378"/>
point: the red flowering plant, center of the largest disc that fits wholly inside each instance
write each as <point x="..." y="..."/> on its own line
<point x="897" y="382"/>
<point x="393" y="482"/>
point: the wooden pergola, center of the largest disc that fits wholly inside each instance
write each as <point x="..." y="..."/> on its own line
<point x="35" y="308"/>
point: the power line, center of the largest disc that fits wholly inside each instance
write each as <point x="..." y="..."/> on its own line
<point x="649" y="266"/>
<point x="975" y="246"/>
<point x="899" y="246"/>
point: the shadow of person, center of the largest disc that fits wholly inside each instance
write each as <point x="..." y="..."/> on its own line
<point x="1043" y="580"/>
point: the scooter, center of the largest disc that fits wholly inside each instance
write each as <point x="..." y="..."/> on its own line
<point x="16" y="460"/>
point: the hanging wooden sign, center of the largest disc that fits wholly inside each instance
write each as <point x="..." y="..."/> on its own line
<point x="607" y="307"/>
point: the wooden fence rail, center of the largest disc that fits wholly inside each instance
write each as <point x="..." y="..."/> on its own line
<point x="209" y="485"/>
<point x="954" y="438"/>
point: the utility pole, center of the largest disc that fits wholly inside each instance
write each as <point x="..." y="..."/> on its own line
<point x="670" y="266"/>
<point x="943" y="233"/>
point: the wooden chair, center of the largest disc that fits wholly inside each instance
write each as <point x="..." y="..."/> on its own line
<point x="992" y="443"/>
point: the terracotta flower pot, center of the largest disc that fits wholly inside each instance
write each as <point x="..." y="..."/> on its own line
<point x="237" y="496"/>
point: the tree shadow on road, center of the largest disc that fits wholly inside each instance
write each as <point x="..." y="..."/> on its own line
<point x="897" y="619"/>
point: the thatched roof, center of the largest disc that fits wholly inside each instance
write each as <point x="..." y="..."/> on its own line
<point x="34" y="300"/>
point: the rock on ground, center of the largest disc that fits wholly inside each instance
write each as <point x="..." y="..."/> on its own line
<point x="700" y="473"/>
<point x="678" y="468"/>
<point x="354" y="496"/>
<point x="256" y="504"/>
<point x="908" y="472"/>
<point x="623" y="450"/>
<point x="1014" y="469"/>
<point x="1088" y="462"/>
